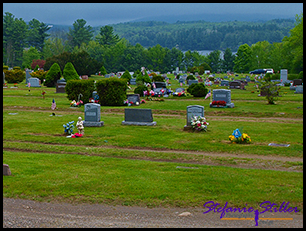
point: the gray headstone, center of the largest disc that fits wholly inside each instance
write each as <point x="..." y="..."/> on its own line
<point x="299" y="89"/>
<point x="284" y="75"/>
<point x="34" y="82"/>
<point x="142" y="117"/>
<point x="224" y="83"/>
<point x="92" y="115"/>
<point x="194" y="110"/>
<point x="235" y="85"/>
<point x="191" y="81"/>
<point x="179" y="89"/>
<point x="133" y="98"/>
<point x="223" y="95"/>
<point x="3" y="78"/>
<point x="133" y="81"/>
<point x="28" y="76"/>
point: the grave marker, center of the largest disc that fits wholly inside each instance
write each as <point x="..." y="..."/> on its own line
<point x="34" y="82"/>
<point x="140" y="117"/>
<point x="133" y="98"/>
<point x="222" y="95"/>
<point x="92" y="115"/>
<point x="193" y="110"/>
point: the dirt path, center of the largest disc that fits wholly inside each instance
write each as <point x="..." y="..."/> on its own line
<point x="26" y="213"/>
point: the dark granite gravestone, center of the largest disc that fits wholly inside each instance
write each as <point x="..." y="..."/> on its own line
<point x="193" y="110"/>
<point x="60" y="86"/>
<point x="92" y="115"/>
<point x="234" y="85"/>
<point x="297" y="82"/>
<point x="142" y="117"/>
<point x="133" y="98"/>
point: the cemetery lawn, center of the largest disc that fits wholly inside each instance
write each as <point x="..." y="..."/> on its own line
<point x="154" y="166"/>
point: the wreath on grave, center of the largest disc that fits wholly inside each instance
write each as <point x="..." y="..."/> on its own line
<point x="199" y="123"/>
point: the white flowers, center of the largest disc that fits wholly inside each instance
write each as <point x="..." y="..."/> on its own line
<point x="199" y="123"/>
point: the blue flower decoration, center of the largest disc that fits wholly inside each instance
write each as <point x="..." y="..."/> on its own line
<point x="236" y="133"/>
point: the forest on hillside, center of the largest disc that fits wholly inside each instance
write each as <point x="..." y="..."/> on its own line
<point x="202" y="35"/>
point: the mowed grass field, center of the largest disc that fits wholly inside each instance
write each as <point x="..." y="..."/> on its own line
<point x="154" y="166"/>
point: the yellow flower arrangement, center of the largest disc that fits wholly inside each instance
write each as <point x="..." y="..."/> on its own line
<point x="239" y="138"/>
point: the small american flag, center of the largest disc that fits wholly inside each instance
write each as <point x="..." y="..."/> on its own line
<point x="208" y="94"/>
<point x="53" y="105"/>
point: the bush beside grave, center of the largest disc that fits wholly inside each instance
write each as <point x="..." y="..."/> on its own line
<point x="140" y="89"/>
<point x="69" y="72"/>
<point x="197" y="90"/>
<point x="157" y="78"/>
<point x="126" y="75"/>
<point x="53" y="75"/>
<point x="14" y="76"/>
<point x="41" y="74"/>
<point x="75" y="87"/>
<point x="112" y="91"/>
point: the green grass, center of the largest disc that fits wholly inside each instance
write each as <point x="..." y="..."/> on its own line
<point x="98" y="168"/>
<point x="93" y="179"/>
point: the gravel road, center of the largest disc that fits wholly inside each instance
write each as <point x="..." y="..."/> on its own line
<point x="33" y="214"/>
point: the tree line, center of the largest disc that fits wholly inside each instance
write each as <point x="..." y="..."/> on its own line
<point x="23" y="43"/>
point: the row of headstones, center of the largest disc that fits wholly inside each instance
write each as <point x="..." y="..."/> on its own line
<point x="144" y="116"/>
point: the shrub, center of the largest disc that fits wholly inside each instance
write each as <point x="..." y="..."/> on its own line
<point x="157" y="78"/>
<point x="53" y="75"/>
<point x="41" y="74"/>
<point x="190" y="77"/>
<point x="36" y="68"/>
<point x="5" y="67"/>
<point x="143" y="78"/>
<point x="14" y="76"/>
<point x="112" y="91"/>
<point x="16" y="68"/>
<point x="126" y="75"/>
<point x="70" y="73"/>
<point x="140" y="89"/>
<point x="103" y="70"/>
<point x="197" y="90"/>
<point x="293" y="76"/>
<point x="75" y="87"/>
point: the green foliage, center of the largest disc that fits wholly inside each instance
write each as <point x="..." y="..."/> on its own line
<point x="293" y="76"/>
<point x="41" y="74"/>
<point x="197" y="90"/>
<point x="5" y="67"/>
<point x="157" y="78"/>
<point x="190" y="77"/>
<point x="36" y="68"/>
<point x="28" y="56"/>
<point x="106" y="37"/>
<point x="14" y="76"/>
<point x="143" y="78"/>
<point x="126" y="75"/>
<point x="140" y="89"/>
<point x="112" y="91"/>
<point x="70" y="73"/>
<point x="16" y="68"/>
<point x="301" y="75"/>
<point x="79" y="33"/>
<point x="243" y="59"/>
<point x="75" y="87"/>
<point x="53" y="75"/>
<point x="271" y="89"/>
<point x="103" y="70"/>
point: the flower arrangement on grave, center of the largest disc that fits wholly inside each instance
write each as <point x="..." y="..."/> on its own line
<point x="239" y="138"/>
<point x="182" y="93"/>
<point x="15" y="85"/>
<point x="76" y="104"/>
<point x="199" y="123"/>
<point x="219" y="103"/>
<point x="68" y="128"/>
<point x="92" y="100"/>
<point x="5" y="85"/>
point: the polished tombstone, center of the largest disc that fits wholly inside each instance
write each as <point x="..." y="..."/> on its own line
<point x="192" y="110"/>
<point x="222" y="95"/>
<point x="141" y="117"/>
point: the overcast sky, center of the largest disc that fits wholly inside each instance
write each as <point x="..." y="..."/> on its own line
<point x="99" y="14"/>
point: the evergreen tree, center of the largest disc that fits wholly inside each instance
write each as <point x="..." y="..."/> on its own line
<point x="37" y="34"/>
<point x="107" y="37"/>
<point x="70" y="73"/>
<point x="79" y="33"/>
<point x="243" y="59"/>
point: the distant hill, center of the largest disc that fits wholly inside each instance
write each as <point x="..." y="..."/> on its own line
<point x="214" y="17"/>
<point x="212" y="34"/>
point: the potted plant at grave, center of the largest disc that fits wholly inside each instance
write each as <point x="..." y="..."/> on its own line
<point x="239" y="138"/>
